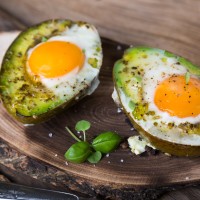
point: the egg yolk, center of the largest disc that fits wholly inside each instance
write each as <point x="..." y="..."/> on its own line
<point x="177" y="98"/>
<point x="55" y="58"/>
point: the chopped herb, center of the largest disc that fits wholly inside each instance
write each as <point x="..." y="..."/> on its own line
<point x="164" y="59"/>
<point x="93" y="62"/>
<point x="131" y="105"/>
<point x="144" y="55"/>
<point x="98" y="49"/>
<point x="187" y="77"/>
<point x="44" y="39"/>
<point x="140" y="110"/>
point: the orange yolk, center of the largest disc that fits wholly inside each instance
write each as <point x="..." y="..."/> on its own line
<point x="55" y="58"/>
<point x="177" y="98"/>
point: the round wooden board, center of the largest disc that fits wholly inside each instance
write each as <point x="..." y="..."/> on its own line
<point x="121" y="169"/>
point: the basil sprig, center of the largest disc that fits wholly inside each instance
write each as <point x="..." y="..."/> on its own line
<point x="82" y="150"/>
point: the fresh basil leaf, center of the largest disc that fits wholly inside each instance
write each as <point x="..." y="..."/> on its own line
<point x="106" y="142"/>
<point x="78" y="152"/>
<point x="95" y="157"/>
<point x="82" y="125"/>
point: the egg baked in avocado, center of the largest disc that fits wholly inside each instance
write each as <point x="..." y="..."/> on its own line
<point x="49" y="67"/>
<point x="160" y="93"/>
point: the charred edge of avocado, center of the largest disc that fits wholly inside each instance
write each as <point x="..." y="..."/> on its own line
<point x="160" y="144"/>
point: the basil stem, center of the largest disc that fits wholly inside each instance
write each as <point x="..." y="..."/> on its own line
<point x="72" y="134"/>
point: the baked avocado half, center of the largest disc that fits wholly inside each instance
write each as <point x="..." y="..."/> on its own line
<point x="160" y="93"/>
<point x="49" y="67"/>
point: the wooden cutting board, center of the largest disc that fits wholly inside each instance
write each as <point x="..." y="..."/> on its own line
<point x="170" y="25"/>
<point x="121" y="169"/>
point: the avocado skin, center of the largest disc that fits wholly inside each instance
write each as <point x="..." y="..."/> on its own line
<point x="25" y="98"/>
<point x="162" y="145"/>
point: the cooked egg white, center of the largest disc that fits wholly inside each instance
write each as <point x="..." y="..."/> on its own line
<point x="68" y="85"/>
<point x="153" y="76"/>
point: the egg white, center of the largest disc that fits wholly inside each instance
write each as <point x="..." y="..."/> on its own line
<point x="70" y="85"/>
<point x="155" y="74"/>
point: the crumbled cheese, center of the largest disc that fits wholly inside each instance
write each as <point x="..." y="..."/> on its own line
<point x="137" y="144"/>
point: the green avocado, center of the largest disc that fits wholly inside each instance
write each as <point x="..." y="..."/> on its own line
<point x="25" y="98"/>
<point x="129" y="74"/>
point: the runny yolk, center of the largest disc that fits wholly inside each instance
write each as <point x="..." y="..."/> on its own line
<point x="177" y="98"/>
<point x="55" y="58"/>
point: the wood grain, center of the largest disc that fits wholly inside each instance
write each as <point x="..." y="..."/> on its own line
<point x="172" y="25"/>
<point x="147" y="171"/>
<point x="160" y="24"/>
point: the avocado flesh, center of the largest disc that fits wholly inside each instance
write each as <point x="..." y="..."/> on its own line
<point x="128" y="84"/>
<point x="25" y="98"/>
